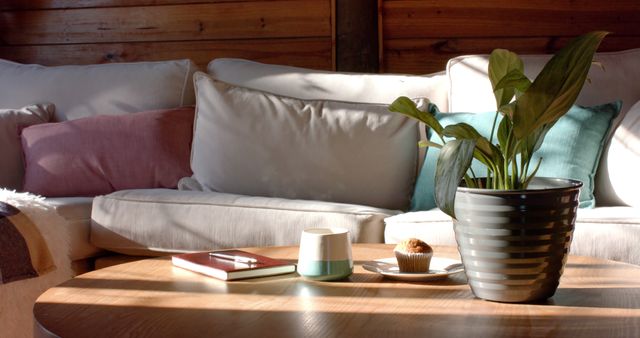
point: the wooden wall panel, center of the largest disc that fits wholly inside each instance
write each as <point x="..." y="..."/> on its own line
<point x="294" y="32"/>
<point x="309" y="52"/>
<point x="275" y="19"/>
<point x="59" y="4"/>
<point x="420" y="36"/>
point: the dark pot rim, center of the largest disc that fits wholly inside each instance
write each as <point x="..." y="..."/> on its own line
<point x="557" y="184"/>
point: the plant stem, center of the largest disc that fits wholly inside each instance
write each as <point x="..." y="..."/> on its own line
<point x="493" y="128"/>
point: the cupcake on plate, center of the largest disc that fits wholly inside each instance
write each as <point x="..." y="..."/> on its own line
<point x="413" y="255"/>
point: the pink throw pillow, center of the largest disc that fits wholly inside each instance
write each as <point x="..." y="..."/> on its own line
<point x="102" y="154"/>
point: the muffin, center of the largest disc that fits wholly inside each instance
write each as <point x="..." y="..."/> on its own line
<point x="413" y="255"/>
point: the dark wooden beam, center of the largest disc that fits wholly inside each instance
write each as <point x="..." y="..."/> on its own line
<point x="357" y="35"/>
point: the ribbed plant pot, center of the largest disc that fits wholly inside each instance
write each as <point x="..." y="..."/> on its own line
<point x="514" y="244"/>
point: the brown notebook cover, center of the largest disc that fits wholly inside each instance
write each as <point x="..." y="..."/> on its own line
<point x="226" y="269"/>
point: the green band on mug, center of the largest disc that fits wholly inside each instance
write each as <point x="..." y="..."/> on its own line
<point x="326" y="270"/>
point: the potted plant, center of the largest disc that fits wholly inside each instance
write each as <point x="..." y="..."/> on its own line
<point x="513" y="229"/>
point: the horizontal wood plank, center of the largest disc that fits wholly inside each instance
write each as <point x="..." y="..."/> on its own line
<point x="310" y="53"/>
<point x="424" y="56"/>
<point x="61" y="4"/>
<point x="597" y="5"/>
<point x="439" y="19"/>
<point x="237" y="20"/>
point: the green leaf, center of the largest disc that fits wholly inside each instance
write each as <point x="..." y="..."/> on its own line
<point x="453" y="162"/>
<point x="515" y="79"/>
<point x="490" y="154"/>
<point x="406" y="106"/>
<point x="501" y="63"/>
<point x="557" y="86"/>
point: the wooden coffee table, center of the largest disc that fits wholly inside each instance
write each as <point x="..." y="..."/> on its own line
<point x="150" y="298"/>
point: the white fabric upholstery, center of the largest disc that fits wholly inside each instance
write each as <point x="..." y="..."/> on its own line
<point x="255" y="143"/>
<point x="615" y="78"/>
<point x="115" y="88"/>
<point x="622" y="161"/>
<point x="604" y="232"/>
<point x="77" y="213"/>
<point x="312" y="84"/>
<point x="156" y="221"/>
<point x="11" y="120"/>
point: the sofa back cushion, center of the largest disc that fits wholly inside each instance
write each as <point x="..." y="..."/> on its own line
<point x="101" y="154"/>
<point x="312" y="84"/>
<point x="623" y="159"/>
<point x="614" y="78"/>
<point x="256" y="143"/>
<point x="115" y="88"/>
<point x="11" y="122"/>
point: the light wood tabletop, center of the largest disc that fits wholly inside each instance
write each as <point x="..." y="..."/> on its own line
<point x="151" y="298"/>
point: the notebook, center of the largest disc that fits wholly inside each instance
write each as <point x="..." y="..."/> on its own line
<point x="236" y="264"/>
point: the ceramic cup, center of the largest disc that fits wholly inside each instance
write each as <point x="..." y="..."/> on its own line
<point x="325" y="254"/>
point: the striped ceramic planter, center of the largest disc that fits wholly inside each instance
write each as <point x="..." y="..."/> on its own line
<point x="514" y="244"/>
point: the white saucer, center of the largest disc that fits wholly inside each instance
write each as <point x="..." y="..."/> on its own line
<point x="440" y="268"/>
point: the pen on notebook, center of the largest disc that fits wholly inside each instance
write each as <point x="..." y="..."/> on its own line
<point x="234" y="258"/>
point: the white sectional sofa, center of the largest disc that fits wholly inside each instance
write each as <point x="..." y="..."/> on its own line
<point x="334" y="114"/>
<point x="197" y="217"/>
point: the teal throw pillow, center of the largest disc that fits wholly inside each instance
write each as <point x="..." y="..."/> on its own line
<point x="571" y="149"/>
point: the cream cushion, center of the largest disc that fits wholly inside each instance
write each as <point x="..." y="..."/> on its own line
<point x="604" y="232"/>
<point x="615" y="77"/>
<point x="77" y="213"/>
<point x="623" y="159"/>
<point x="116" y="88"/>
<point x="256" y="143"/>
<point x="11" y="120"/>
<point x="157" y="221"/>
<point x="312" y="84"/>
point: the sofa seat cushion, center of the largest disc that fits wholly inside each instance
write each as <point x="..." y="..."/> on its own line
<point x="77" y="212"/>
<point x="160" y="221"/>
<point x="604" y="232"/>
<point x="87" y="90"/>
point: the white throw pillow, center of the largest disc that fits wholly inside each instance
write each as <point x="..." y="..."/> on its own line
<point x="11" y="121"/>
<point x="87" y="90"/>
<point x="256" y="143"/>
<point x="623" y="158"/>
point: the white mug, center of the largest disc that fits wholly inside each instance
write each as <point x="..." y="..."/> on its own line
<point x="325" y="254"/>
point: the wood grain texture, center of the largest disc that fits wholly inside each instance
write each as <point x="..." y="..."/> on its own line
<point x="62" y="4"/>
<point x="402" y="19"/>
<point x="57" y="32"/>
<point x="357" y="41"/>
<point x="420" y="36"/>
<point x="262" y="19"/>
<point x="425" y="56"/>
<point x="312" y="53"/>
<point x="150" y="298"/>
